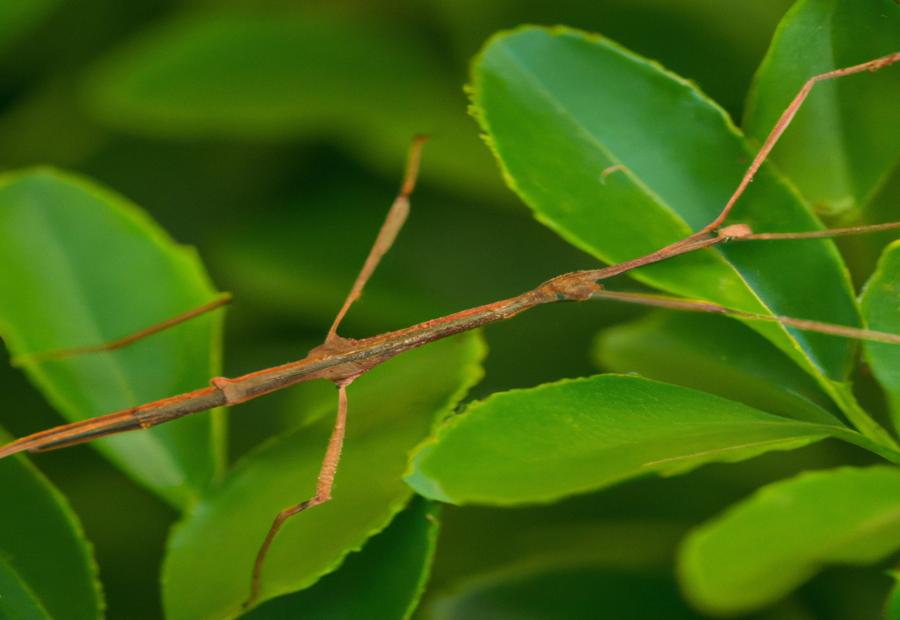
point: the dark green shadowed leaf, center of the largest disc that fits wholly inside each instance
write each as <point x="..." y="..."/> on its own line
<point x="769" y="544"/>
<point x="561" y="107"/>
<point x="82" y="266"/>
<point x="573" y="593"/>
<point x="46" y="565"/>
<point x="845" y="140"/>
<point x="714" y="354"/>
<point x="892" y="609"/>
<point x="383" y="581"/>
<point x="574" y="436"/>
<point x="391" y="409"/>
<point x="280" y="75"/>
<point x="881" y="309"/>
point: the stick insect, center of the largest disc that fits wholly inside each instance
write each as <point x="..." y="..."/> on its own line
<point x="342" y="360"/>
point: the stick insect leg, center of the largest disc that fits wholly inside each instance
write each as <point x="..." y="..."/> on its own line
<point x="323" y="491"/>
<point x="58" y="354"/>
<point x="783" y="121"/>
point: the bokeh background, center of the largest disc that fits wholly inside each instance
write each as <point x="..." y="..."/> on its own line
<point x="282" y="196"/>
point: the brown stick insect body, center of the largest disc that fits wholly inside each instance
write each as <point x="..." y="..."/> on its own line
<point x="342" y="360"/>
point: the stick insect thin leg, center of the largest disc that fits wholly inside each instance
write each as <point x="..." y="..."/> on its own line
<point x="783" y="121"/>
<point x="58" y="354"/>
<point x="323" y="491"/>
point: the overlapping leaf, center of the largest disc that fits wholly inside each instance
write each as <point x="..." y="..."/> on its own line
<point x="845" y="140"/>
<point x="82" y="267"/>
<point x="392" y="408"/>
<point x="621" y="158"/>
<point x="574" y="436"/>
<point x="881" y="310"/>
<point x="47" y="569"/>
<point x="784" y="534"/>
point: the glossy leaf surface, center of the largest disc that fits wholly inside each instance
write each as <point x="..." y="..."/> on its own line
<point x="574" y="436"/>
<point x="621" y="158"/>
<point x="767" y="545"/>
<point x="845" y="139"/>
<point x="392" y="408"/>
<point x="46" y="564"/>
<point x="82" y="266"/>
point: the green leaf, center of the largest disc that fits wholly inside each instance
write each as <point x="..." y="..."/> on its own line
<point x="880" y="303"/>
<point x="714" y="354"/>
<point x="767" y="545"/>
<point x="574" y="436"/>
<point x="280" y="75"/>
<point x="47" y="569"/>
<point x="392" y="408"/>
<point x="82" y="266"/>
<point x="17" y="602"/>
<point x="17" y="17"/>
<point x="892" y="610"/>
<point x="845" y="140"/>
<point x="560" y="107"/>
<point x="571" y="592"/>
<point x="387" y="577"/>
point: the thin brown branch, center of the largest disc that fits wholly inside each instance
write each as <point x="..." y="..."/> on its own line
<point x="821" y="234"/>
<point x="58" y="354"/>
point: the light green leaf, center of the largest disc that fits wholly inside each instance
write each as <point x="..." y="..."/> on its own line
<point x="387" y="577"/>
<point x="881" y="309"/>
<point x="82" y="266"/>
<point x="767" y="545"/>
<point x="280" y="75"/>
<point x="561" y="107"/>
<point x="845" y="140"/>
<point x="17" y="17"/>
<point x="716" y="355"/>
<point x="392" y="408"/>
<point x="574" y="436"/>
<point x="47" y="569"/>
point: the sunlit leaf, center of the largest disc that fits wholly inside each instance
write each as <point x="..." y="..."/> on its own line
<point x="47" y="569"/>
<point x="620" y="158"/>
<point x="845" y="140"/>
<point x="392" y="408"/>
<point x="81" y="266"/>
<point x="554" y="440"/>
<point x="769" y="544"/>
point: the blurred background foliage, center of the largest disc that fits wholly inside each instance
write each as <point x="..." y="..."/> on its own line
<point x="282" y="196"/>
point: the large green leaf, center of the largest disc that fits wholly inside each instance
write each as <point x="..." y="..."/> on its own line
<point x="46" y="564"/>
<point x="764" y="547"/>
<point x="547" y="442"/>
<point x="392" y="408"/>
<point x="82" y="266"/>
<point x="716" y="355"/>
<point x="387" y="577"/>
<point x="294" y="74"/>
<point x="845" y="140"/>
<point x="560" y="107"/>
<point x="881" y="309"/>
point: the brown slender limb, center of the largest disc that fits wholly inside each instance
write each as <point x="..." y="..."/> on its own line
<point x="821" y="234"/>
<point x="58" y="354"/>
<point x="784" y="120"/>
<point x="692" y="305"/>
<point x="394" y="221"/>
<point x="323" y="492"/>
